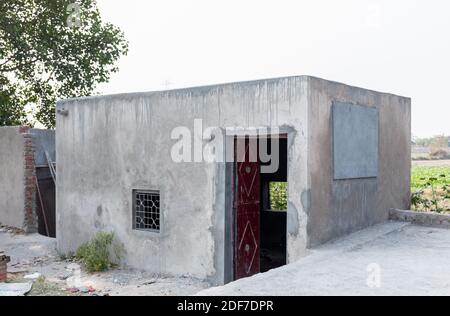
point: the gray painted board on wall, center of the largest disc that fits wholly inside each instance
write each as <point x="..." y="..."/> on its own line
<point x="355" y="141"/>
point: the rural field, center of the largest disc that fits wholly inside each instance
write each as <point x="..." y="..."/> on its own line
<point x="430" y="186"/>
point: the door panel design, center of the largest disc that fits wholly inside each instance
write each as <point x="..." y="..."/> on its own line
<point x="247" y="199"/>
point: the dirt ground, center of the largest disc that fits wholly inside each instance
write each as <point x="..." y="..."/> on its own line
<point x="37" y="254"/>
<point x="388" y="259"/>
<point x="431" y="163"/>
<point x="393" y="258"/>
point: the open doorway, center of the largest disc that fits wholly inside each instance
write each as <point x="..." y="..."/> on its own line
<point x="260" y="204"/>
<point x="273" y="212"/>
<point x="45" y="201"/>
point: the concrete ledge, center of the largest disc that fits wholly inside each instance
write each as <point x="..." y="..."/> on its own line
<point x="421" y="218"/>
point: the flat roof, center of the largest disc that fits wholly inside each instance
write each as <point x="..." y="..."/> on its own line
<point x="206" y="88"/>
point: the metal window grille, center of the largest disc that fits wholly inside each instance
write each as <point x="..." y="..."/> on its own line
<point x="147" y="215"/>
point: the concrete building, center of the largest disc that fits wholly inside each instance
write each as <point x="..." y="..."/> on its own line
<point x="27" y="191"/>
<point x="123" y="166"/>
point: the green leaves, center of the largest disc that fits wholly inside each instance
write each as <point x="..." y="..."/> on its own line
<point x="43" y="59"/>
<point x="278" y="196"/>
<point x="97" y="253"/>
<point x="432" y="185"/>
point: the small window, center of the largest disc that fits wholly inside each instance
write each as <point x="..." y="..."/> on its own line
<point x="146" y="210"/>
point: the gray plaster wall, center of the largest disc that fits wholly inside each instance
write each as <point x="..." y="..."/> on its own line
<point x="12" y="172"/>
<point x="44" y="141"/>
<point x="339" y="207"/>
<point x="108" y="146"/>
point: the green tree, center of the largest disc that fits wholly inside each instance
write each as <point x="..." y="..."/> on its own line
<point x="50" y="50"/>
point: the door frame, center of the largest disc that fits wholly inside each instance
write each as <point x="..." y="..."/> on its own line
<point x="230" y="194"/>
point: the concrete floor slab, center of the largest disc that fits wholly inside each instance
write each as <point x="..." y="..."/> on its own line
<point x="404" y="258"/>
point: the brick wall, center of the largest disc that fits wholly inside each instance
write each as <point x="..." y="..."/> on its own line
<point x="3" y="267"/>
<point x="30" y="218"/>
<point x="2" y="271"/>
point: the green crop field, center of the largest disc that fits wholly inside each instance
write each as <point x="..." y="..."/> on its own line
<point x="430" y="188"/>
<point x="425" y="172"/>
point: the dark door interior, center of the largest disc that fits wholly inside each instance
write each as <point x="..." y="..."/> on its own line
<point x="45" y="202"/>
<point x="273" y="216"/>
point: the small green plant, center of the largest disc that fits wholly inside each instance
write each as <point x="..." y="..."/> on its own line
<point x="446" y="189"/>
<point x="278" y="196"/>
<point x="433" y="194"/>
<point x="418" y="200"/>
<point x="97" y="254"/>
<point x="432" y="183"/>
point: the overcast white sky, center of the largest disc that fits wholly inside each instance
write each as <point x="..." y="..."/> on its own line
<point x="397" y="46"/>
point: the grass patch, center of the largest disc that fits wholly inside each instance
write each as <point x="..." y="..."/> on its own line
<point x="99" y="253"/>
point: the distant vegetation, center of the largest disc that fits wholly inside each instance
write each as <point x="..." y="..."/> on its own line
<point x="436" y="141"/>
<point x="433" y="148"/>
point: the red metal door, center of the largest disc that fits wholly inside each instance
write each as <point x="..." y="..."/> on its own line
<point x="247" y="199"/>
